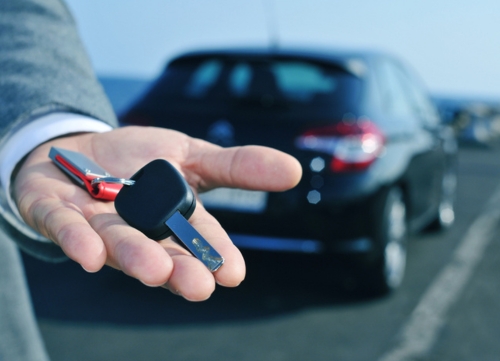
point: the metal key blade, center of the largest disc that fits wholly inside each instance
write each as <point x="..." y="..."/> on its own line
<point x="195" y="242"/>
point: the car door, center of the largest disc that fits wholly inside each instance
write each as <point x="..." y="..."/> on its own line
<point x="415" y="137"/>
<point x="434" y="160"/>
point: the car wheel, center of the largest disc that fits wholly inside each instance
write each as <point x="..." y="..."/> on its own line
<point x="386" y="271"/>
<point x="446" y="212"/>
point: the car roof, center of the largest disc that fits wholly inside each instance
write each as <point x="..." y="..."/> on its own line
<point x="344" y="58"/>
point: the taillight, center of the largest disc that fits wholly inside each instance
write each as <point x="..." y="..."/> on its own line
<point x="354" y="146"/>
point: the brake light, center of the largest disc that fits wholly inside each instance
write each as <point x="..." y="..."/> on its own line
<point x="354" y="146"/>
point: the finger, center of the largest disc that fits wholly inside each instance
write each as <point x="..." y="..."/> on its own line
<point x="250" y="167"/>
<point x="162" y="263"/>
<point x="233" y="271"/>
<point x="132" y="252"/>
<point x="67" y="227"/>
<point x="190" y="279"/>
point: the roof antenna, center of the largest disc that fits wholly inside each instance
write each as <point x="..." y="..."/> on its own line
<point x="272" y="23"/>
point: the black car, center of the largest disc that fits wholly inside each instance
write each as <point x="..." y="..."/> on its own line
<point x="376" y="158"/>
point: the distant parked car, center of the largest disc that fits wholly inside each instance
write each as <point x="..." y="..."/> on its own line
<point x="475" y="121"/>
<point x="377" y="160"/>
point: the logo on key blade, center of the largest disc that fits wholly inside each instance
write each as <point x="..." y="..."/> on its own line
<point x="211" y="261"/>
<point x="222" y="133"/>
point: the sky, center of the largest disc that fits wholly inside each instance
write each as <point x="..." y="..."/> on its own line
<point x="454" y="45"/>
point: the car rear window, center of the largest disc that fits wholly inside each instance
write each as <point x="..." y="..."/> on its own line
<point x="273" y="84"/>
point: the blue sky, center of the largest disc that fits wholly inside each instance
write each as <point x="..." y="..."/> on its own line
<point x="453" y="45"/>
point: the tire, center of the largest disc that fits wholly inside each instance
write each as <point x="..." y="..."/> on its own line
<point x="385" y="272"/>
<point x="445" y="216"/>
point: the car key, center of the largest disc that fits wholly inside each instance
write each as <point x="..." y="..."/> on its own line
<point x="86" y="173"/>
<point x="159" y="203"/>
<point x="101" y="185"/>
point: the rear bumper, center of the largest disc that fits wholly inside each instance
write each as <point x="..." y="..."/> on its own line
<point x="291" y="226"/>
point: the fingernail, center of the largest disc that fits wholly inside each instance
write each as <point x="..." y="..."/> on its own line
<point x="146" y="284"/>
<point x="86" y="270"/>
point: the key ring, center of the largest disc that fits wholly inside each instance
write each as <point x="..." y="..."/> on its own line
<point x="114" y="180"/>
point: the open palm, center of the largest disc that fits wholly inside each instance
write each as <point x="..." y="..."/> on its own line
<point x="90" y="231"/>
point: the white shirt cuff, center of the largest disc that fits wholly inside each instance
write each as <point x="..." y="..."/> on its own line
<point x="15" y="145"/>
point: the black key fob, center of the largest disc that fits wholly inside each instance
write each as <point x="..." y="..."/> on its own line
<point x="158" y="193"/>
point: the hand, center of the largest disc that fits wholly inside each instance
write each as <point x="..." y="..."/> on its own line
<point x="90" y="231"/>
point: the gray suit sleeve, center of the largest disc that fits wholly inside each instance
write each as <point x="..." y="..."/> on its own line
<point x="43" y="66"/>
<point x="44" y="69"/>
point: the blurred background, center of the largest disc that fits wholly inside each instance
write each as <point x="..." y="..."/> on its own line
<point x="451" y="43"/>
<point x="284" y="311"/>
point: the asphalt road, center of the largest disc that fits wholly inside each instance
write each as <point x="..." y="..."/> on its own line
<point x="288" y="308"/>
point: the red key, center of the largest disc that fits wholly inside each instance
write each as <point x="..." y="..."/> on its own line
<point x="99" y="183"/>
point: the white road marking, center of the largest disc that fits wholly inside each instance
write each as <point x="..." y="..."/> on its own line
<point x="422" y="329"/>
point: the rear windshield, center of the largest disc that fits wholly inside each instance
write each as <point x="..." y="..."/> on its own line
<point x="242" y="84"/>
